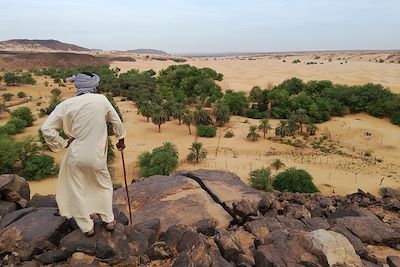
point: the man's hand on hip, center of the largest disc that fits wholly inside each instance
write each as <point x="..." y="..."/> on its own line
<point x="121" y="144"/>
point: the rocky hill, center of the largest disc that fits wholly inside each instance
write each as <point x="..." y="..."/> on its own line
<point x="39" y="46"/>
<point x="148" y="51"/>
<point x="206" y="218"/>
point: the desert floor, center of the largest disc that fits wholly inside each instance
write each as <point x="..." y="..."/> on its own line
<point x="242" y="73"/>
<point x="339" y="172"/>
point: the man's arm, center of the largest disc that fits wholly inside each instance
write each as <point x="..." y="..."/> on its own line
<point x="118" y="127"/>
<point x="50" y="133"/>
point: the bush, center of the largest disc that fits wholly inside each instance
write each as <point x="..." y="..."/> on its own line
<point x="24" y="113"/>
<point x="261" y="179"/>
<point x="206" y="131"/>
<point x="18" y="123"/>
<point x="37" y="167"/>
<point x="8" y="154"/>
<point x="396" y="118"/>
<point x="8" y="129"/>
<point x="7" y="96"/>
<point x="54" y="101"/>
<point x="21" y="94"/>
<point x="229" y="134"/>
<point x="294" y="180"/>
<point x="161" y="161"/>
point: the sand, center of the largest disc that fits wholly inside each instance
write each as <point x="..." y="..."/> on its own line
<point x="333" y="173"/>
<point x="241" y="74"/>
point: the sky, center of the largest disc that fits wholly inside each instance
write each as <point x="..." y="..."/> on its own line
<point x="207" y="26"/>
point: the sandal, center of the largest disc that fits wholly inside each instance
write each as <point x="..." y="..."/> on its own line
<point x="110" y="226"/>
<point x="90" y="233"/>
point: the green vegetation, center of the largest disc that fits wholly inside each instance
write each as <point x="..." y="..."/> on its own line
<point x="294" y="180"/>
<point x="253" y="135"/>
<point x="12" y="79"/>
<point x="33" y="166"/>
<point x="21" y="94"/>
<point x="197" y="152"/>
<point x="221" y="114"/>
<point x="8" y="154"/>
<point x="24" y="113"/>
<point x="159" y="117"/>
<point x="201" y="117"/>
<point x="188" y="119"/>
<point x="206" y="131"/>
<point x="236" y="102"/>
<point x="229" y="134"/>
<point x="264" y="126"/>
<point x="261" y="179"/>
<point x="7" y="96"/>
<point x="18" y="123"/>
<point x="38" y="166"/>
<point x="161" y="161"/>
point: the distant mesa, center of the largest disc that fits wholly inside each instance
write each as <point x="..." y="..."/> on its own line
<point x="148" y="51"/>
<point x="39" y="46"/>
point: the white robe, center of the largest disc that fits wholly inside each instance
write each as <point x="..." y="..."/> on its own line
<point x="84" y="184"/>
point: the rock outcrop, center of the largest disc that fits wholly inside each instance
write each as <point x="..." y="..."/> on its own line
<point x="210" y="218"/>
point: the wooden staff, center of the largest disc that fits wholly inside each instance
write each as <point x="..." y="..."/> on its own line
<point x="126" y="188"/>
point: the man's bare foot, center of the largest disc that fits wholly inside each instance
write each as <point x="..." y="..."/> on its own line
<point x="90" y="233"/>
<point x="110" y="226"/>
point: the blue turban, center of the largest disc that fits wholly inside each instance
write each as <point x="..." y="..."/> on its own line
<point x="85" y="82"/>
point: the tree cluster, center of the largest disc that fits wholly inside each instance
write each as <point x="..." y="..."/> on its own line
<point x="290" y="180"/>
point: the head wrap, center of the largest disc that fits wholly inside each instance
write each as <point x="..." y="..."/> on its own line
<point x="85" y="82"/>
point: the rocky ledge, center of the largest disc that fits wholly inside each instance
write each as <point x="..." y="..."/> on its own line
<point x="206" y="218"/>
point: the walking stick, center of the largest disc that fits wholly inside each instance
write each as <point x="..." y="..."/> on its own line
<point x="126" y="188"/>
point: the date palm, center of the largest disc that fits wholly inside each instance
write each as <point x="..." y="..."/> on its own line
<point x="197" y="152"/>
<point x="221" y="113"/>
<point x="253" y="135"/>
<point x="159" y="117"/>
<point x="188" y="120"/>
<point x="264" y="126"/>
<point x="179" y="112"/>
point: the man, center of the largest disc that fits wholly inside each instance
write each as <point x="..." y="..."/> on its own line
<point x="84" y="184"/>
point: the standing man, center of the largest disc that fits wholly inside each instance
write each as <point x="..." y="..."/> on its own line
<point x="84" y="184"/>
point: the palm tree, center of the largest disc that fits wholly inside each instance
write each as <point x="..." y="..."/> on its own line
<point x="281" y="130"/>
<point x="146" y="110"/>
<point x="188" y="119"/>
<point x="264" y="126"/>
<point x="311" y="128"/>
<point x="201" y="117"/>
<point x="221" y="113"/>
<point x="179" y="111"/>
<point x="277" y="164"/>
<point x="292" y="124"/>
<point x="170" y="147"/>
<point x="253" y="135"/>
<point x="197" y="152"/>
<point x="302" y="118"/>
<point x="169" y="108"/>
<point x="159" y="117"/>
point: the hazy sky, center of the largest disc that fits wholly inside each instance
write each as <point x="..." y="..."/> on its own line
<point x="182" y="26"/>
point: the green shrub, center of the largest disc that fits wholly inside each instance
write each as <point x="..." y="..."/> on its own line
<point x="7" y="96"/>
<point x="54" y="101"/>
<point x="206" y="131"/>
<point x="19" y="124"/>
<point x="21" y="94"/>
<point x="261" y="179"/>
<point x="37" y="167"/>
<point x="229" y="134"/>
<point x="8" y="154"/>
<point x="8" y="129"/>
<point x="294" y="180"/>
<point x="161" y="161"/>
<point x="396" y="118"/>
<point x="24" y="113"/>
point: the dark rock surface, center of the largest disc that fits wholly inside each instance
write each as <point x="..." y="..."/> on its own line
<point x="210" y="219"/>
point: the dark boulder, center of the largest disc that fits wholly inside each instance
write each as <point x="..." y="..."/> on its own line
<point x="40" y="201"/>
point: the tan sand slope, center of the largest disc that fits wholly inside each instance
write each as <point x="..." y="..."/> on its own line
<point x="241" y="74"/>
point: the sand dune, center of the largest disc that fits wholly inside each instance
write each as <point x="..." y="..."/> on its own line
<point x="243" y="74"/>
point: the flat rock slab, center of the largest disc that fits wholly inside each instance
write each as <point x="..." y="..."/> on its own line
<point x="173" y="199"/>
<point x="227" y="186"/>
